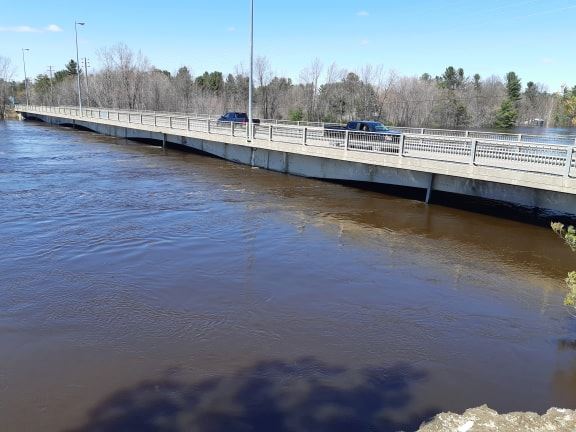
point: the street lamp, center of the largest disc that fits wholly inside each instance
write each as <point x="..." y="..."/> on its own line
<point x="76" y="24"/>
<point x="250" y="80"/>
<point x="25" y="77"/>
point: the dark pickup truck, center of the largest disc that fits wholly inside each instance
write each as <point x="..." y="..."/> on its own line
<point x="236" y="117"/>
<point x="365" y="135"/>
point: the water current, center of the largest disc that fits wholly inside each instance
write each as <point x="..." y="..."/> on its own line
<point x="147" y="289"/>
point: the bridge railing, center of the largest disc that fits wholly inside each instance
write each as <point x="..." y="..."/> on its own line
<point x="550" y="156"/>
<point x="498" y="136"/>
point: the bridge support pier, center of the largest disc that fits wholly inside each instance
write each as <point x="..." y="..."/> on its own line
<point x="429" y="190"/>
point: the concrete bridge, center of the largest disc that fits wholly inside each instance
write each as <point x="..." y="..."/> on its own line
<point x="526" y="170"/>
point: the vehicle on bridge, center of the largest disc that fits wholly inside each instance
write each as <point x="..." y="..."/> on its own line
<point x="236" y="117"/>
<point x="365" y="135"/>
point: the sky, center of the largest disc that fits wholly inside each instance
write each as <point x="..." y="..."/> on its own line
<point x="534" y="38"/>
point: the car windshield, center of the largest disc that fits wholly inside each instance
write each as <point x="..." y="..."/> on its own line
<point x="380" y="128"/>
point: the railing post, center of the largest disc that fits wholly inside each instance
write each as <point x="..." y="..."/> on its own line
<point x="346" y="139"/>
<point x="467" y="134"/>
<point x="519" y="137"/>
<point x="170" y="121"/>
<point x="232" y="128"/>
<point x="141" y="118"/>
<point x="568" y="165"/>
<point x="155" y="120"/>
<point x="473" y="146"/>
<point x="304" y="134"/>
<point x="208" y="125"/>
<point x="270" y="133"/>
<point x="401" y="145"/>
<point x="421" y="131"/>
<point x="187" y="122"/>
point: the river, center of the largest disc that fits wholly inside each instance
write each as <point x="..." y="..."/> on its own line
<point x="148" y="289"/>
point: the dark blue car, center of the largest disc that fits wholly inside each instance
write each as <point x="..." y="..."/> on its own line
<point x="236" y="117"/>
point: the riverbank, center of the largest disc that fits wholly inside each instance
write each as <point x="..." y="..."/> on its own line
<point x="484" y="419"/>
<point x="10" y="114"/>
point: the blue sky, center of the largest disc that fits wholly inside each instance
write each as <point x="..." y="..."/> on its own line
<point x="535" y="38"/>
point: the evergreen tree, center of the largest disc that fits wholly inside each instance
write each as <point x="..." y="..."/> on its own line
<point x="71" y="68"/>
<point x="507" y="115"/>
<point x="477" y="82"/>
<point x="513" y="86"/>
<point x="451" y="79"/>
<point x="212" y="82"/>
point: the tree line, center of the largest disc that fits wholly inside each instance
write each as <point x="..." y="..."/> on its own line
<point x="328" y="93"/>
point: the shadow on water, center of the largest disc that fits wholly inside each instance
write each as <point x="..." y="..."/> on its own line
<point x="302" y="395"/>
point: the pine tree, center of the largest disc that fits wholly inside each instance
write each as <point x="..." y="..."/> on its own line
<point x="507" y="115"/>
<point x="71" y="67"/>
<point x="513" y="86"/>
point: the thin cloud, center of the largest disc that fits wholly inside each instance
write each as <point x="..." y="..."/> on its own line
<point x="52" y="28"/>
<point x="362" y="13"/>
<point x="547" y="60"/>
<point x="231" y="29"/>
<point x="364" y="42"/>
<point x="19" y="29"/>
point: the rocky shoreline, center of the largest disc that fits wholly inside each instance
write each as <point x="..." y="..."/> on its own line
<point x="484" y="419"/>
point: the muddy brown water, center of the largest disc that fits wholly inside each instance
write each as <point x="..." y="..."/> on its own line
<point x="143" y="289"/>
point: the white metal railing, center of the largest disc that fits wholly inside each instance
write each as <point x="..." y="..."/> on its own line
<point x="531" y="153"/>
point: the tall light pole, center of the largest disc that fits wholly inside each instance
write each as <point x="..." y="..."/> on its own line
<point x="250" y="80"/>
<point x="25" y="77"/>
<point x="76" y="24"/>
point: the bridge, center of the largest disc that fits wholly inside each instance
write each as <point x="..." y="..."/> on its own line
<point x="534" y="171"/>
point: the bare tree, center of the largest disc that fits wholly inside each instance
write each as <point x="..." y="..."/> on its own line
<point x="263" y="78"/>
<point x="126" y="72"/>
<point x="310" y="77"/>
<point x="453" y="100"/>
<point x="6" y="75"/>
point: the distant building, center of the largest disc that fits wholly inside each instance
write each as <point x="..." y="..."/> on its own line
<point x="535" y="122"/>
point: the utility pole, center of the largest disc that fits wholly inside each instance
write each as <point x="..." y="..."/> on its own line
<point x="86" y="64"/>
<point x="25" y="77"/>
<point x="51" y="86"/>
<point x="76" y="24"/>
<point x="250" y="80"/>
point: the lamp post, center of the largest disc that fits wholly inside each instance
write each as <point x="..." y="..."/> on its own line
<point x="76" y="24"/>
<point x="25" y="77"/>
<point x="250" y="80"/>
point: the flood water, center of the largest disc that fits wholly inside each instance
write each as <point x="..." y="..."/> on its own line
<point x="152" y="290"/>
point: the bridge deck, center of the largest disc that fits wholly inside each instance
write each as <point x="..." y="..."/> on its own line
<point x="469" y="155"/>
